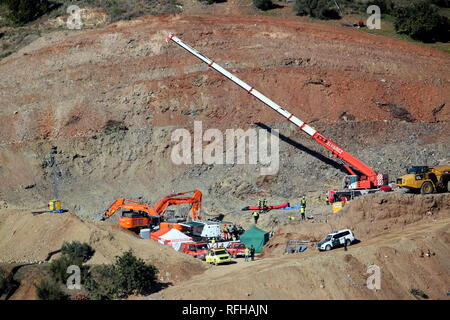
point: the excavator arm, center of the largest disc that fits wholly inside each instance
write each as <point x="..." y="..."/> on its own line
<point x="177" y="199"/>
<point x="122" y="203"/>
<point x="144" y="215"/>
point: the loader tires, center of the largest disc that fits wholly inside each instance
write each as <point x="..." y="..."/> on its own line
<point x="427" y="188"/>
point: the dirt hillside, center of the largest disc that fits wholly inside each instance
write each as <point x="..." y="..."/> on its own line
<point x="368" y="216"/>
<point x="410" y="246"/>
<point x="110" y="98"/>
<point x="27" y="239"/>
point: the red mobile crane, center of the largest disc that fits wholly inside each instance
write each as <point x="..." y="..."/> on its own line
<point x="367" y="181"/>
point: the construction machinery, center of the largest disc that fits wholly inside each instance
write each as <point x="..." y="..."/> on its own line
<point x="139" y="215"/>
<point x="362" y="177"/>
<point x="426" y="179"/>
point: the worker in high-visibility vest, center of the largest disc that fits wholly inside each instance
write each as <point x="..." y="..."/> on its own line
<point x="246" y="253"/>
<point x="302" y="212"/>
<point x="265" y="204"/>
<point x="260" y="204"/>
<point x="255" y="216"/>
<point x="303" y="202"/>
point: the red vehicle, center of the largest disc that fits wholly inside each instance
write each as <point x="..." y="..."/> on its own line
<point x="196" y="249"/>
<point x="236" y="249"/>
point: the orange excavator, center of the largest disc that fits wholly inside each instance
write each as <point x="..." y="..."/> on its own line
<point x="139" y="215"/>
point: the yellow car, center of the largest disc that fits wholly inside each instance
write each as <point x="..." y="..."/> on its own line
<point x="217" y="256"/>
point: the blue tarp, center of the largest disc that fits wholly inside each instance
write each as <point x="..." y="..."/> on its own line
<point x="291" y="208"/>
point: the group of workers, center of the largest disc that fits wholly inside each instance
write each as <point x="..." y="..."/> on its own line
<point x="262" y="205"/>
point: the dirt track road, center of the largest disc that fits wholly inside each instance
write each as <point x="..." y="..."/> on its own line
<point x="336" y="274"/>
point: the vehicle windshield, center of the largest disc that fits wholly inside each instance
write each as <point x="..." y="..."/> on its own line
<point x="218" y="252"/>
<point x="239" y="245"/>
<point x="416" y="170"/>
<point x="328" y="238"/>
<point x="203" y="246"/>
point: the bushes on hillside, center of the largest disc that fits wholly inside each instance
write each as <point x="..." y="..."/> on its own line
<point x="422" y="21"/>
<point x="23" y="11"/>
<point x="263" y="4"/>
<point x="2" y="281"/>
<point x="77" y="250"/>
<point x="441" y="3"/>
<point x="128" y="275"/>
<point x="386" y="6"/>
<point x="48" y="289"/>
<point x="322" y="9"/>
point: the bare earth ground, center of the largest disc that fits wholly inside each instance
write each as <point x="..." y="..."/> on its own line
<point x="409" y="244"/>
<point x="110" y="98"/>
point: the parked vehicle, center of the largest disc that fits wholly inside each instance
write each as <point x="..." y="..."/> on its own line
<point x="217" y="256"/>
<point x="236" y="249"/>
<point x="336" y="239"/>
<point x="196" y="249"/>
<point x="426" y="179"/>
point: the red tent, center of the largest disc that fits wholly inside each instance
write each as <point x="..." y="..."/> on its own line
<point x="157" y="234"/>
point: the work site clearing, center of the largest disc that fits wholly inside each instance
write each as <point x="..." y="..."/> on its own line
<point x="87" y="117"/>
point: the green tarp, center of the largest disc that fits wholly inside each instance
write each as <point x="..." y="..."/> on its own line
<point x="256" y="237"/>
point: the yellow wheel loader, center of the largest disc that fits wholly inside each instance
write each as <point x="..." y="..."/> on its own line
<point x="426" y="179"/>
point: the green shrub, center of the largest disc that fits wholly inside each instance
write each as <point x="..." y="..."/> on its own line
<point x="77" y="249"/>
<point x="211" y="1"/>
<point x="418" y="293"/>
<point x="2" y="281"/>
<point x="128" y="275"/>
<point x="263" y="4"/>
<point x="322" y="9"/>
<point x="386" y="6"/>
<point x="441" y="3"/>
<point x="58" y="268"/>
<point x="421" y="21"/>
<point x="23" y="11"/>
<point x="50" y="290"/>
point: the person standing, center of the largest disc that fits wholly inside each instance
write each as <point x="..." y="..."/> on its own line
<point x="303" y="202"/>
<point x="265" y="204"/>
<point x="256" y="216"/>
<point x="302" y="212"/>
<point x="252" y="253"/>
<point x="246" y="253"/>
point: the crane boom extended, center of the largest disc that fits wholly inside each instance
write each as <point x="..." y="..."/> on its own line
<point x="369" y="179"/>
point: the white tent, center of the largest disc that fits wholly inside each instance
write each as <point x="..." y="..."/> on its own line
<point x="174" y="238"/>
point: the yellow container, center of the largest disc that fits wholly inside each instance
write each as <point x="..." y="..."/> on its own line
<point x="54" y="205"/>
<point x="337" y="206"/>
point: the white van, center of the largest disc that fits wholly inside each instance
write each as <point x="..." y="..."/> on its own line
<point x="336" y="239"/>
<point x="206" y="229"/>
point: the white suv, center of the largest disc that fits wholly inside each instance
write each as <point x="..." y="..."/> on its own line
<point x="336" y="239"/>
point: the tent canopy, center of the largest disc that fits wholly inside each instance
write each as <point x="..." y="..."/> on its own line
<point x="175" y="235"/>
<point x="155" y="235"/>
<point x="256" y="237"/>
